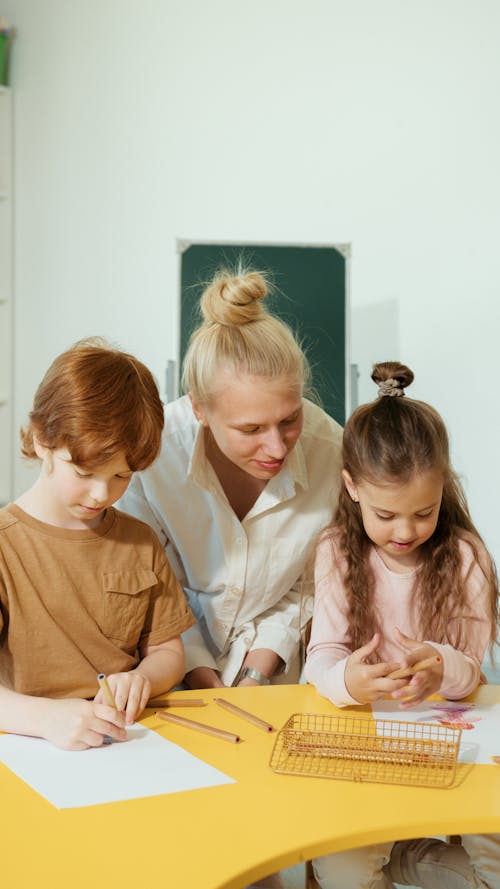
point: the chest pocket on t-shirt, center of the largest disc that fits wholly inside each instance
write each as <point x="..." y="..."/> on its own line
<point x="126" y="601"/>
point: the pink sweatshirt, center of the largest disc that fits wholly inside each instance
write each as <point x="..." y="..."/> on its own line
<point x="330" y="644"/>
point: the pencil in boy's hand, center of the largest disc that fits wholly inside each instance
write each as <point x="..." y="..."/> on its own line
<point x="244" y="714"/>
<point x="420" y="665"/>
<point x="198" y="726"/>
<point x="108" y="694"/>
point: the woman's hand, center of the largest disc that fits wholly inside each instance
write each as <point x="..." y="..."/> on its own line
<point x="75" y="724"/>
<point x="368" y="682"/>
<point x="131" y="692"/>
<point x="203" y="677"/>
<point x="421" y="685"/>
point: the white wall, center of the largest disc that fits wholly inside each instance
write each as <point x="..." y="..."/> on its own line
<point x="374" y="123"/>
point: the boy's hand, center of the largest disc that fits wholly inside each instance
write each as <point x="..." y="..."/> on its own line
<point x="75" y="724"/>
<point x="368" y="682"/>
<point x="131" y="691"/>
<point x="421" y="685"/>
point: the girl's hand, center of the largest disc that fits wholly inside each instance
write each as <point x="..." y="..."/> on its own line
<point x="131" y="691"/>
<point x="421" y="685"/>
<point x="368" y="682"/>
<point x="74" y="724"/>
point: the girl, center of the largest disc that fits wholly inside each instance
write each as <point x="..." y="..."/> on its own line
<point x="401" y="575"/>
<point x="85" y="589"/>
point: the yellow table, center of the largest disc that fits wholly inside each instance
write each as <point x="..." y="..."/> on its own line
<point x="226" y="836"/>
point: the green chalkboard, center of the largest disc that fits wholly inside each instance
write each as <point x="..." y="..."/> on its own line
<point x="310" y="295"/>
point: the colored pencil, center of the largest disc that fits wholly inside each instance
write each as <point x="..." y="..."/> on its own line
<point x="198" y="726"/>
<point x="176" y="702"/>
<point x="420" y="665"/>
<point x="244" y="714"/>
<point x="108" y="694"/>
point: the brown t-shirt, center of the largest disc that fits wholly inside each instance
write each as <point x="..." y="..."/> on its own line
<point x="77" y="603"/>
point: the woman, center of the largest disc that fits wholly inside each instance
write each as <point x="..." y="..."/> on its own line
<point x="247" y="477"/>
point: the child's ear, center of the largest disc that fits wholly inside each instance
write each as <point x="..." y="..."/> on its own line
<point x="350" y="486"/>
<point x="40" y="449"/>
<point x="198" y="409"/>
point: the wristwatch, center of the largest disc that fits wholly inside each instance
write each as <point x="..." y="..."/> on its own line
<point x="251" y="673"/>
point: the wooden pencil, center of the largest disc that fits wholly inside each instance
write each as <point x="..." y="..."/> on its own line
<point x="108" y="694"/>
<point x="244" y="714"/>
<point x="176" y="702"/>
<point x="420" y="665"/>
<point x="198" y="726"/>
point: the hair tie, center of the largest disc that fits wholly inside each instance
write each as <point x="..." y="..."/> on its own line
<point x="391" y="388"/>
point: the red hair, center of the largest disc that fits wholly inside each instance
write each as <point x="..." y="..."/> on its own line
<point x="97" y="401"/>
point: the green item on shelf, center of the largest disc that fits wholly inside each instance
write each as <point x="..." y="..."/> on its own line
<point x="4" y="60"/>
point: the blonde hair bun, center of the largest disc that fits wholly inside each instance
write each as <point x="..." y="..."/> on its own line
<point x="234" y="299"/>
<point x="392" y="370"/>
<point x="238" y="335"/>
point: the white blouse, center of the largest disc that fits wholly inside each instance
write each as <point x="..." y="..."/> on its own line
<point x="242" y="578"/>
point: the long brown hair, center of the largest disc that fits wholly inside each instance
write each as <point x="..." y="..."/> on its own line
<point x="394" y="438"/>
<point x="97" y="401"/>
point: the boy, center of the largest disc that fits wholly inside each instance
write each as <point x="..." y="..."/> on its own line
<point x="84" y="588"/>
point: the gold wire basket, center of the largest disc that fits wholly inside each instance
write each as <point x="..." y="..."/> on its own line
<point x="359" y="748"/>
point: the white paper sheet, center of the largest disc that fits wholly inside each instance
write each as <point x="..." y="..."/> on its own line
<point x="480" y="724"/>
<point x="145" y="765"/>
